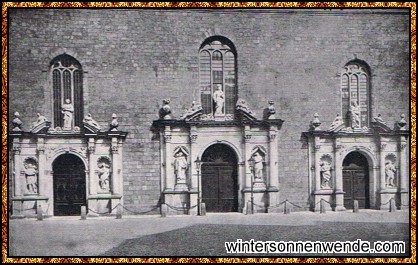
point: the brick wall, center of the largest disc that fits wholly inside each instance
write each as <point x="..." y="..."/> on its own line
<point x="134" y="58"/>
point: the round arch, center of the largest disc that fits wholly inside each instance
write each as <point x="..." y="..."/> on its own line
<point x="227" y="143"/>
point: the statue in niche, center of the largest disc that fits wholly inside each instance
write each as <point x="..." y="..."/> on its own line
<point x="67" y="110"/>
<point x="88" y="119"/>
<point x="219" y="99"/>
<point x="258" y="167"/>
<point x="104" y="175"/>
<point x="390" y="172"/>
<point x="180" y="166"/>
<point x="325" y="169"/>
<point x="336" y="124"/>
<point x="31" y="175"/>
<point x="16" y="122"/>
<point x="355" y="114"/>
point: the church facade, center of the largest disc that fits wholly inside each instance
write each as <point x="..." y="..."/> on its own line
<point x="187" y="111"/>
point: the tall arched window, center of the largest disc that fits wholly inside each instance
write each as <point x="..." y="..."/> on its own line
<point x="67" y="83"/>
<point x="355" y="92"/>
<point x="217" y="68"/>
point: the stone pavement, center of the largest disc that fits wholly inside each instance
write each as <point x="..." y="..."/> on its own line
<point x="96" y="236"/>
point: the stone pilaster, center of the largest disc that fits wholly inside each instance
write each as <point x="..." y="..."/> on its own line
<point x="170" y="178"/>
<point x="338" y="177"/>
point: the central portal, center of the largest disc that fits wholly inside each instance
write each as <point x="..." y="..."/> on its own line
<point x="356" y="180"/>
<point x="69" y="185"/>
<point x="219" y="179"/>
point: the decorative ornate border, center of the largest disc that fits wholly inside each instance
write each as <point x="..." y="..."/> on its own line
<point x="7" y="5"/>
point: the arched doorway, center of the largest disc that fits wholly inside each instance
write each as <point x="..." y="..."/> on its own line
<point x="356" y="180"/>
<point x="69" y="185"/>
<point x="220" y="179"/>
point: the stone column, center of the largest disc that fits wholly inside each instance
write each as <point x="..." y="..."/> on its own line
<point x="115" y="166"/>
<point x="17" y="168"/>
<point x="42" y="181"/>
<point x="317" y="147"/>
<point x="193" y="170"/>
<point x="247" y="152"/>
<point x="273" y="183"/>
<point x="382" y="182"/>
<point x="273" y="157"/>
<point x="169" y="177"/>
<point x="93" y="181"/>
<point x="247" y="170"/>
<point x="403" y="173"/>
<point x="338" y="177"/>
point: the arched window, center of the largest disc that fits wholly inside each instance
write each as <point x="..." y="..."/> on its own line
<point x="67" y="84"/>
<point x="355" y="93"/>
<point x="217" y="70"/>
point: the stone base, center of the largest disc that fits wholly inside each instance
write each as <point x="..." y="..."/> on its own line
<point x="384" y="197"/>
<point x="26" y="206"/>
<point x="178" y="203"/>
<point x="404" y="200"/>
<point x="103" y="204"/>
<point x="327" y="196"/>
<point x="181" y="187"/>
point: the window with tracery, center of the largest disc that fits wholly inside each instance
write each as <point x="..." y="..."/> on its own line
<point x="67" y="83"/>
<point x="217" y="71"/>
<point x="355" y="93"/>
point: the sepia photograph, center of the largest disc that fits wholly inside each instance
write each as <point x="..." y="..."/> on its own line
<point x="208" y="132"/>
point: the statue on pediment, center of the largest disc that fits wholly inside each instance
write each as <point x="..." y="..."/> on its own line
<point x="91" y="123"/>
<point x="193" y="112"/>
<point x="244" y="110"/>
<point x="337" y="124"/>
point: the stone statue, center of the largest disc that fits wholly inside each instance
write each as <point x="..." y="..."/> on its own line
<point x="180" y="166"/>
<point x="114" y="123"/>
<point x="31" y="173"/>
<point x="16" y="122"/>
<point x="194" y="111"/>
<point x="258" y="167"/>
<point x="336" y="124"/>
<point x="88" y="119"/>
<point x="165" y="111"/>
<point x="68" y="111"/>
<point x="355" y="114"/>
<point x="104" y="175"/>
<point x="39" y="120"/>
<point x="219" y="99"/>
<point x="390" y="171"/>
<point x="325" y="174"/>
<point x="379" y="119"/>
